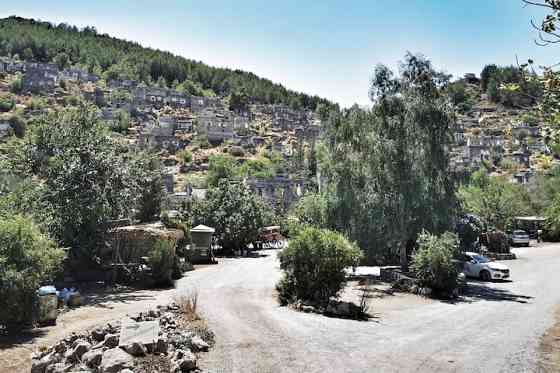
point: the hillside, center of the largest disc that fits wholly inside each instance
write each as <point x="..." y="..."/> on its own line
<point x="120" y="59"/>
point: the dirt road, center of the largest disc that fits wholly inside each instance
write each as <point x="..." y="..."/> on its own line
<point x="495" y="328"/>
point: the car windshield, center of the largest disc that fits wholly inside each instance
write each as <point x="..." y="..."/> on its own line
<point x="481" y="259"/>
<point x="519" y="232"/>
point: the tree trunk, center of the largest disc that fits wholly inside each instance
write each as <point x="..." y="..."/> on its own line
<point x="404" y="258"/>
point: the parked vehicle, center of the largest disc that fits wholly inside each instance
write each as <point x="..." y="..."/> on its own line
<point x="481" y="267"/>
<point x="519" y="238"/>
<point x="270" y="238"/>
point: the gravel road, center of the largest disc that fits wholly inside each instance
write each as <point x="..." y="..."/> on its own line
<point x="495" y="328"/>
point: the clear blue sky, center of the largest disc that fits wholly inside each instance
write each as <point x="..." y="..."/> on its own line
<point x="323" y="47"/>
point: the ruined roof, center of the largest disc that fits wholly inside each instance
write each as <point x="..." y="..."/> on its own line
<point x="203" y="229"/>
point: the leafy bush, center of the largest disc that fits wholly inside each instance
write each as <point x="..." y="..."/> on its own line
<point x="433" y="263"/>
<point x="16" y="86"/>
<point x="314" y="265"/>
<point x="497" y="242"/>
<point x="18" y="125"/>
<point x="27" y="260"/>
<point x="161" y="261"/>
<point x="469" y="229"/>
<point x="311" y="209"/>
<point x="184" y="156"/>
<point x="7" y="103"/>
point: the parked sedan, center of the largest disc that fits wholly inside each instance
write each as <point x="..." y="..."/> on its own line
<point x="481" y="267"/>
<point x="519" y="238"/>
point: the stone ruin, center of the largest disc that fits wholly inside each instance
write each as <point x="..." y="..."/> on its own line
<point x="163" y="337"/>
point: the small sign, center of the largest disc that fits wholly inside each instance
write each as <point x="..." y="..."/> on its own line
<point x="145" y="332"/>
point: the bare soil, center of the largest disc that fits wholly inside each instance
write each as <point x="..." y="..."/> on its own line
<point x="549" y="348"/>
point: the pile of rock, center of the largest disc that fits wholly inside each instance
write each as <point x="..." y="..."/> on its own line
<point x="121" y="346"/>
<point x="336" y="308"/>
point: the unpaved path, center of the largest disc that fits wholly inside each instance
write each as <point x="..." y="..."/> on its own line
<point x="495" y="328"/>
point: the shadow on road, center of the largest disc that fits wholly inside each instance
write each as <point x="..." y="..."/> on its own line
<point x="477" y="291"/>
<point x="9" y="341"/>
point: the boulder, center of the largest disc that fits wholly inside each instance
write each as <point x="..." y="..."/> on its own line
<point x="185" y="360"/>
<point x="115" y="360"/>
<point x="162" y="345"/>
<point x="98" y="334"/>
<point x="425" y="292"/>
<point x="41" y="365"/>
<point x="198" y="344"/>
<point x="56" y="368"/>
<point x="136" y="349"/>
<point x="80" y="348"/>
<point x="92" y="358"/>
<point x="111" y="340"/>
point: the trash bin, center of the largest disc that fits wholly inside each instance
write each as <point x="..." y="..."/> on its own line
<point x="48" y="302"/>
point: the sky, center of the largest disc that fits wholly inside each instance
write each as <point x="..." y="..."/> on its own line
<point x="327" y="47"/>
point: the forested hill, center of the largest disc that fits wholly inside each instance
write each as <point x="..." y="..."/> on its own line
<point x="116" y="58"/>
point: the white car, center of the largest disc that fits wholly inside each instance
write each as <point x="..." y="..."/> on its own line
<point x="519" y="238"/>
<point x="481" y="267"/>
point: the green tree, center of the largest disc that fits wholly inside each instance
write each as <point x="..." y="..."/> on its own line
<point x="235" y="212"/>
<point x="388" y="168"/>
<point x="85" y="177"/>
<point x="28" y="259"/>
<point x="496" y="201"/>
<point x="314" y="265"/>
<point x="312" y="209"/>
<point x="221" y="167"/>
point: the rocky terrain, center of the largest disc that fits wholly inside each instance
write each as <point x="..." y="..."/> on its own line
<point x="165" y="339"/>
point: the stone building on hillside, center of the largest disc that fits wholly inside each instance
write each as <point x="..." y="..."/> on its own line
<point x="78" y="75"/>
<point x="40" y="77"/>
<point x="159" y="97"/>
<point x="280" y="192"/>
<point x="199" y="104"/>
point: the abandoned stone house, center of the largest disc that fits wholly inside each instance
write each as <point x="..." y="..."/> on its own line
<point x="199" y="104"/>
<point x="286" y="118"/>
<point x="78" y="75"/>
<point x="280" y="192"/>
<point x="525" y="131"/>
<point x="40" y="77"/>
<point x="521" y="157"/>
<point x="124" y="83"/>
<point x="156" y="137"/>
<point x="523" y="177"/>
<point x="539" y="147"/>
<point x="216" y="126"/>
<point x="159" y="97"/>
<point x="12" y="66"/>
<point x="476" y="153"/>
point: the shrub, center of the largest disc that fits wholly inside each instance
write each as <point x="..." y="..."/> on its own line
<point x="497" y="242"/>
<point x="16" y="86"/>
<point x="7" y="103"/>
<point x="18" y="125"/>
<point x="27" y="260"/>
<point x="161" y="261"/>
<point x="433" y="263"/>
<point x="184" y="156"/>
<point x="314" y="265"/>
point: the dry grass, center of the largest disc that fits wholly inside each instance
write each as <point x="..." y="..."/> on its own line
<point x="549" y="348"/>
<point x="190" y="318"/>
<point x="188" y="305"/>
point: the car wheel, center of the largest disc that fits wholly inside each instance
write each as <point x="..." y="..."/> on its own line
<point x="485" y="276"/>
